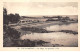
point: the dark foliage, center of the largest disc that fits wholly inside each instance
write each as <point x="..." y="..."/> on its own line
<point x="11" y="32"/>
<point x="28" y="43"/>
<point x="69" y="31"/>
<point x="9" y="35"/>
<point x="5" y="17"/>
<point x="34" y="29"/>
<point x="13" y="18"/>
<point x="10" y="18"/>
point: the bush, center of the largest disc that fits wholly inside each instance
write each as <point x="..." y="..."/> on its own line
<point x="9" y="34"/>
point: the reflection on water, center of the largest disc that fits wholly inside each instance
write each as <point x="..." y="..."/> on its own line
<point x="73" y="27"/>
<point x="56" y="38"/>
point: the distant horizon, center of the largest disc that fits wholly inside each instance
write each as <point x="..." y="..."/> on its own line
<point x="70" y="16"/>
<point x="48" y="15"/>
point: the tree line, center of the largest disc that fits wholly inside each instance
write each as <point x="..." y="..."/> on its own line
<point x="10" y="18"/>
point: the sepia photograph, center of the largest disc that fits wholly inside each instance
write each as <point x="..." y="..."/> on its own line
<point x="40" y="24"/>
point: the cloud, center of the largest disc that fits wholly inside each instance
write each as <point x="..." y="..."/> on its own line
<point x="69" y="10"/>
<point x="43" y="8"/>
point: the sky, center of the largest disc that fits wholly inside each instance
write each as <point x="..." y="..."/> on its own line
<point x="42" y="8"/>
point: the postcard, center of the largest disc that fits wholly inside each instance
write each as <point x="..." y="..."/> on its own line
<point x="40" y="25"/>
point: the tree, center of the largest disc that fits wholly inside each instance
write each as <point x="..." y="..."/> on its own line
<point x="13" y="18"/>
<point x="10" y="18"/>
<point x="17" y="17"/>
<point x="4" y="11"/>
<point x="67" y="18"/>
<point x="5" y="17"/>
